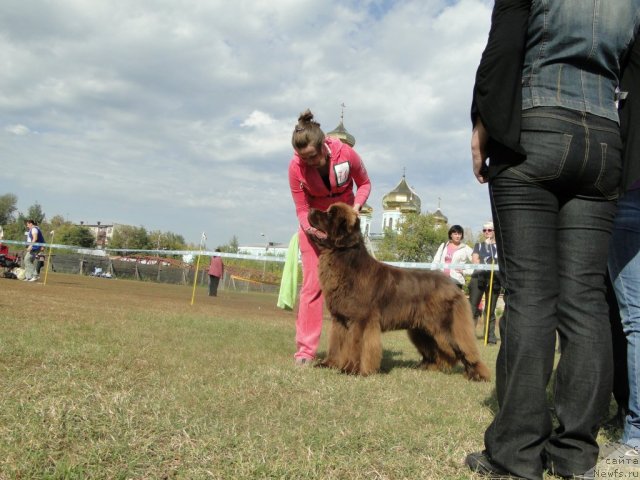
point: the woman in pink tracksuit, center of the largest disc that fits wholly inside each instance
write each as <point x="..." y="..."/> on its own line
<point x="322" y="172"/>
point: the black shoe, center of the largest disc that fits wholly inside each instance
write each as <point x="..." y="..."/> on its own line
<point x="480" y="463"/>
<point x="616" y="422"/>
<point x="588" y="475"/>
<point x="549" y="467"/>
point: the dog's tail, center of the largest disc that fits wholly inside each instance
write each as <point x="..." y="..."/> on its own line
<point x="467" y="346"/>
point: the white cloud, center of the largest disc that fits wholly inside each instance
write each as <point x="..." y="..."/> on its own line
<point x="18" y="129"/>
<point x="178" y="116"/>
<point x="257" y="119"/>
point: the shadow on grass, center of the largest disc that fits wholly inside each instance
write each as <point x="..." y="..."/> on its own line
<point x="390" y="362"/>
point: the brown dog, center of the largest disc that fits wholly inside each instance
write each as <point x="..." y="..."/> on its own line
<point x="367" y="297"/>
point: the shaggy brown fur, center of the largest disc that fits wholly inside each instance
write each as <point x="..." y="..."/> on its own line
<point x="367" y="297"/>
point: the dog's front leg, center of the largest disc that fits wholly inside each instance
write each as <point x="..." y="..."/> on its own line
<point x="371" y="347"/>
<point x="337" y="337"/>
<point x="351" y="352"/>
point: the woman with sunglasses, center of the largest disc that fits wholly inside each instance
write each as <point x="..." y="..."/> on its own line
<point x="323" y="171"/>
<point x="485" y="253"/>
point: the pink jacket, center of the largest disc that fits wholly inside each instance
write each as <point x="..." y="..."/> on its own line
<point x="345" y="169"/>
<point x="216" y="268"/>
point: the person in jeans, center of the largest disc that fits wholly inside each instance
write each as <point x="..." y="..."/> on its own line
<point x="481" y="284"/>
<point x="544" y="113"/>
<point x="323" y="171"/>
<point x="34" y="236"/>
<point x="624" y="260"/>
<point x="216" y="270"/>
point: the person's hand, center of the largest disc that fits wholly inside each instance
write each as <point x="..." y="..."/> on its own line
<point x="479" y="139"/>
<point x="316" y="233"/>
<point x="356" y="208"/>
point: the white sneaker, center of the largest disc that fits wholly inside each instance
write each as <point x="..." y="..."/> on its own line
<point x="303" y="362"/>
<point x="33" y="279"/>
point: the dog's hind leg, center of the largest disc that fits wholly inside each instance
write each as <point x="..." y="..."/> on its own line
<point x="463" y="342"/>
<point x="427" y="347"/>
<point x="371" y="352"/>
<point x="447" y="353"/>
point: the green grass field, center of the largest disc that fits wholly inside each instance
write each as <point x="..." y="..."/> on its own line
<point x="117" y="379"/>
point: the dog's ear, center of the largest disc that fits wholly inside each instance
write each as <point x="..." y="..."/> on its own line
<point x="347" y="229"/>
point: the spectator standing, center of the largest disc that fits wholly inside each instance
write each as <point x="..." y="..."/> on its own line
<point x="216" y="271"/>
<point x="456" y="252"/>
<point x="40" y="260"/>
<point x="34" y="236"/>
<point x="323" y="171"/>
<point x="485" y="253"/>
<point x="544" y="112"/>
<point x="624" y="258"/>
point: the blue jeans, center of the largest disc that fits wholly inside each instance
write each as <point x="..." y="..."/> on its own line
<point x="624" y="267"/>
<point x="30" y="259"/>
<point x="553" y="216"/>
<point x="479" y="287"/>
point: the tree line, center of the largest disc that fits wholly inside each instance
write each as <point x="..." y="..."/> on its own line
<point x="417" y="239"/>
<point x="67" y="233"/>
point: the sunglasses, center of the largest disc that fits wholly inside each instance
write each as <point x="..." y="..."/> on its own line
<point x="487" y="229"/>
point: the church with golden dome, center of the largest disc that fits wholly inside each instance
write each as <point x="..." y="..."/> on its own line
<point x="341" y="133"/>
<point x="395" y="205"/>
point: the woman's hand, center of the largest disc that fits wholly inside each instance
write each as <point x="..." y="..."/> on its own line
<point x="356" y="208"/>
<point x="479" y="139"/>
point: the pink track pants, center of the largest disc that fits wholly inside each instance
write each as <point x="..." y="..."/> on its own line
<point x="309" y="321"/>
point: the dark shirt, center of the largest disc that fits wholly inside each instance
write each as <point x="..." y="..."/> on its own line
<point x="497" y="94"/>
<point x="487" y="252"/>
<point x="630" y="118"/>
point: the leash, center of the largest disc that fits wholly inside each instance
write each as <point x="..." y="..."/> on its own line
<point x="488" y="305"/>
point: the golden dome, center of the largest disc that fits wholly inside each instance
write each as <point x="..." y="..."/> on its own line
<point x="402" y="198"/>
<point x="341" y="133"/>
<point x="440" y="217"/>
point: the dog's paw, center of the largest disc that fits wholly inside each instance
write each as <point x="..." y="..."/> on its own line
<point x="441" y="367"/>
<point x="429" y="366"/>
<point x="351" y="368"/>
<point x="324" y="364"/>
<point x="478" y="373"/>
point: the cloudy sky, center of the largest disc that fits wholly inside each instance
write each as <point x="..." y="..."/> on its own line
<point x="177" y="114"/>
